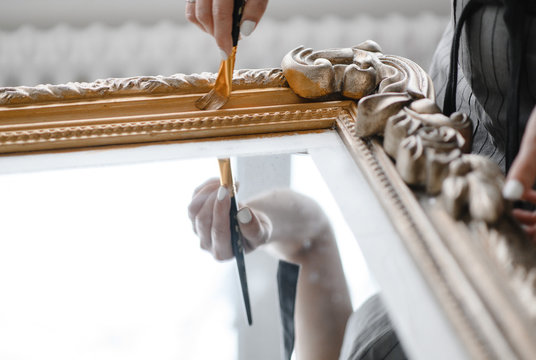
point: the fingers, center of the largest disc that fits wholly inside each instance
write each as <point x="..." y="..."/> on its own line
<point x="190" y="14"/>
<point x="222" y="12"/>
<point x="253" y="11"/>
<point x="255" y="226"/>
<point x="530" y="196"/>
<point x="522" y="173"/>
<point x="220" y="231"/>
<point x="527" y="219"/>
<point x="203" y="222"/>
<point x="209" y="213"/>
<point x="200" y="197"/>
<point x="203" y="13"/>
<point x="208" y="182"/>
<point x="216" y="18"/>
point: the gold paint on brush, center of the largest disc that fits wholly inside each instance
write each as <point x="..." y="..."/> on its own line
<point x="219" y="95"/>
<point x="226" y="176"/>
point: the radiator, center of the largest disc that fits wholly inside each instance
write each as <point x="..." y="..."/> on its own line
<point x="31" y="56"/>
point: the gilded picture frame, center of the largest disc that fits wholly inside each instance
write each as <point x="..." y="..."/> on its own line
<point x="477" y="277"/>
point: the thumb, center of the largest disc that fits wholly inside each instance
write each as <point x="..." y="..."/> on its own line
<point x="522" y="173"/>
<point x="255" y="226"/>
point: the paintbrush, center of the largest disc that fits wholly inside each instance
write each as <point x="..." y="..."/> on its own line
<point x="237" y="240"/>
<point x="219" y="94"/>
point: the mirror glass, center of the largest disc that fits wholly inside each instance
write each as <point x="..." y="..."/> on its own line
<point x="102" y="262"/>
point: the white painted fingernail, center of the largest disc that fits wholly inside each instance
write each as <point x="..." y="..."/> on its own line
<point x="244" y="216"/>
<point x="513" y="190"/>
<point x="247" y="27"/>
<point x="223" y="55"/>
<point x="222" y="193"/>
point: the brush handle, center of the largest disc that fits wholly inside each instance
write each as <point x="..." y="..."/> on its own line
<point x="237" y="240"/>
<point x="237" y="244"/>
<point x="238" y="8"/>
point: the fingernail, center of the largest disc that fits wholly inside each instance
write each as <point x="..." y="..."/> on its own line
<point x="222" y="193"/>
<point x="513" y="190"/>
<point x="244" y="216"/>
<point x="247" y="27"/>
<point x="223" y="55"/>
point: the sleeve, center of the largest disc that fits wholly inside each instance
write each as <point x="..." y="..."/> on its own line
<point x="370" y="334"/>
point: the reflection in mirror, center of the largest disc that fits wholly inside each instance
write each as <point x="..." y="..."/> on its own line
<point x="101" y="262"/>
<point x="307" y="180"/>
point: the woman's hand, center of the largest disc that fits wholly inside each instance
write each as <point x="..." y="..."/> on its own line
<point x="521" y="177"/>
<point x="216" y="18"/>
<point x="209" y="213"/>
<point x="296" y="229"/>
<point x="291" y="224"/>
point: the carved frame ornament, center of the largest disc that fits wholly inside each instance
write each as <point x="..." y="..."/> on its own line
<point x="445" y="204"/>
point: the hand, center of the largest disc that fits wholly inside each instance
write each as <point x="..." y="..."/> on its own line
<point x="296" y="228"/>
<point x="522" y="175"/>
<point x="291" y="225"/>
<point x="216" y="17"/>
<point x="209" y="213"/>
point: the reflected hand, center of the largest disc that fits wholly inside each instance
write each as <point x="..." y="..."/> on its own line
<point x="209" y="213"/>
<point x="216" y="17"/>
<point x="522" y="175"/>
<point x="294" y="227"/>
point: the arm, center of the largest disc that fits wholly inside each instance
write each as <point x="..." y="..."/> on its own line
<point x="216" y="16"/>
<point x="294" y="228"/>
<point x="522" y="175"/>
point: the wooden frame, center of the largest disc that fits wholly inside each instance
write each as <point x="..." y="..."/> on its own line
<point x="476" y="280"/>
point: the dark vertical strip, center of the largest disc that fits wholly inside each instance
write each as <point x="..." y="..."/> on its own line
<point x="454" y="12"/>
<point x="482" y="44"/>
<point x="287" y="282"/>
<point x="450" y="95"/>
<point x="493" y="55"/>
<point x="514" y="18"/>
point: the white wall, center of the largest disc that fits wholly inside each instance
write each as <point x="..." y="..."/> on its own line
<point x="47" y="13"/>
<point x="56" y="41"/>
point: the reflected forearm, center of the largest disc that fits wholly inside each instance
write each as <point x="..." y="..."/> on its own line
<point x="322" y="305"/>
<point x="296" y="229"/>
<point x="302" y="234"/>
<point x="298" y="223"/>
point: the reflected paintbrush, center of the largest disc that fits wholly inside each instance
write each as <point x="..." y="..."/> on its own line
<point x="237" y="240"/>
<point x="219" y="95"/>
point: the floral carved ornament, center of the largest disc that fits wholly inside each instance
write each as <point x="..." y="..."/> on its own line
<point x="396" y="100"/>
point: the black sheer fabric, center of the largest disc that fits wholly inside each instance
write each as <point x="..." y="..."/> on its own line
<point x="369" y="332"/>
<point x="518" y="16"/>
<point x="287" y="281"/>
<point x="495" y="87"/>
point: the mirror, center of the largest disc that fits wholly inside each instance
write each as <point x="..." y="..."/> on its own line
<point x="441" y="277"/>
<point x="103" y="258"/>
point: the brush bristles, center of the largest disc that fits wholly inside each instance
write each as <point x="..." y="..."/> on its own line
<point x="212" y="100"/>
<point x="219" y="95"/>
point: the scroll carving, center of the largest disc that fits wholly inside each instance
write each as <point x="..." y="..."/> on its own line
<point x="481" y="275"/>
<point x="383" y="84"/>
<point x="396" y="99"/>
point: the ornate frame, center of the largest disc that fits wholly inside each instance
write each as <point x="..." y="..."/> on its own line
<point x="480" y="275"/>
